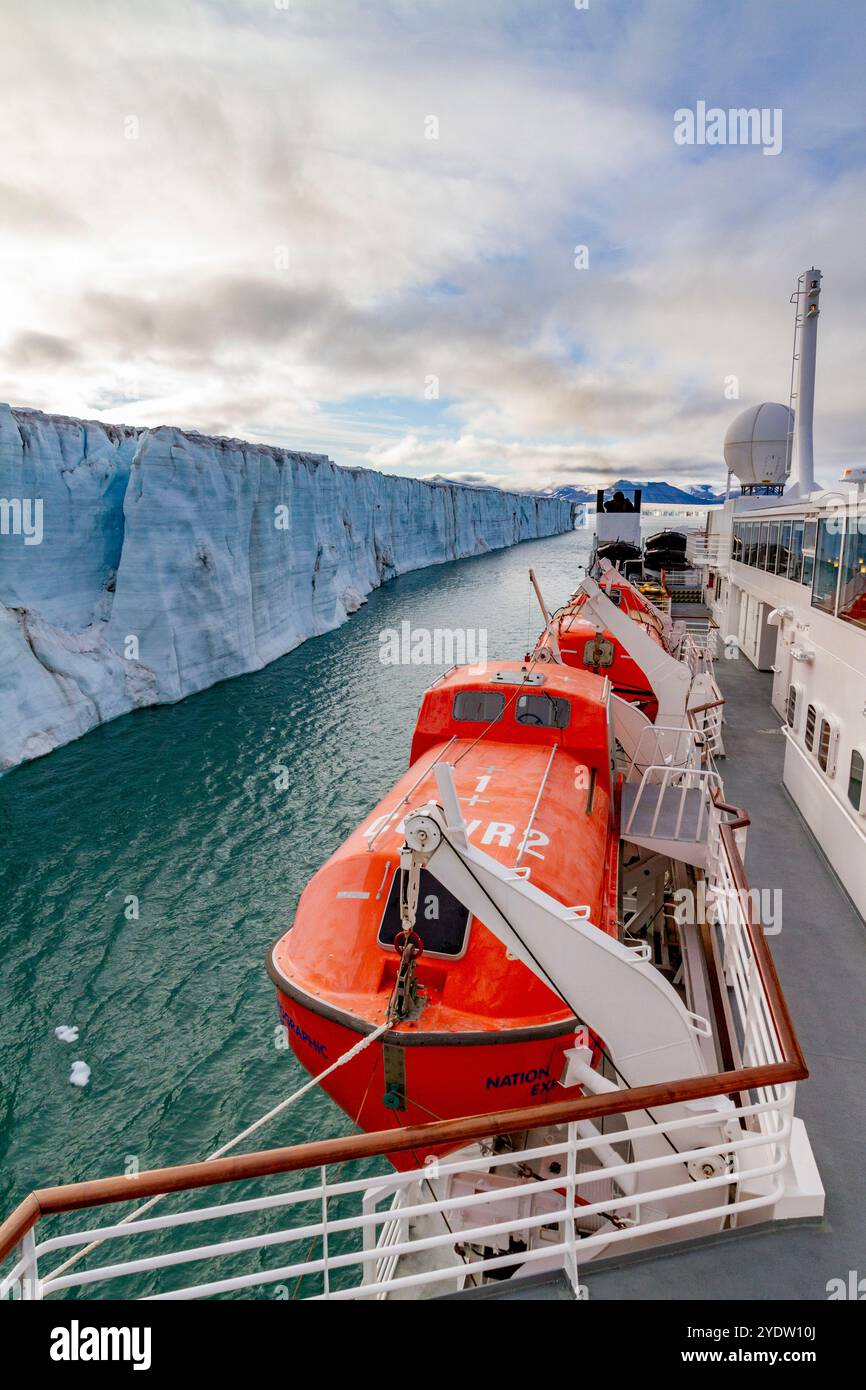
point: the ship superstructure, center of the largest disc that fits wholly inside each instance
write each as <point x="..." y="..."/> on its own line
<point x="784" y="565"/>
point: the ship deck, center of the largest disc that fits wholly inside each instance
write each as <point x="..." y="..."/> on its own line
<point x="820" y="954"/>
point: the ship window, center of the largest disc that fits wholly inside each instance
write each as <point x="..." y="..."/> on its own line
<point x="808" y="570"/>
<point x="550" y="711"/>
<point x="811" y="716"/>
<point x="752" y="549"/>
<point x="761" y="561"/>
<point x="810" y="530"/>
<point x="478" y="706"/>
<point x="827" y="554"/>
<point x="855" y="780"/>
<point x="441" y="921"/>
<point x="791" y="708"/>
<point x="852" y="588"/>
<point x="824" y="744"/>
<point x="784" y="549"/>
<point x="795" y="559"/>
<point x="772" y="547"/>
<point x="737" y="543"/>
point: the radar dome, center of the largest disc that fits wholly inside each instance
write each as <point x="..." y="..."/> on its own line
<point x="758" y="444"/>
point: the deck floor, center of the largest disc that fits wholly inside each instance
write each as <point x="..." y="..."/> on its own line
<point x="821" y="957"/>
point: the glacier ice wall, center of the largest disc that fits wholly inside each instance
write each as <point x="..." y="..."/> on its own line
<point x="168" y="561"/>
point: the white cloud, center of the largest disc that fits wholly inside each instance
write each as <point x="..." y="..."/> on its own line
<point x="146" y="278"/>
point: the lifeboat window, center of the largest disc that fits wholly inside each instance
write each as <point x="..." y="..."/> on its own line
<point x="549" y="711"/>
<point x="441" y="921"/>
<point x="855" y="780"/>
<point x="478" y="706"/>
<point x="791" y="711"/>
<point x="810" y="727"/>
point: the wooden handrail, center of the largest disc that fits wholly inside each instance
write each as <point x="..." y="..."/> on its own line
<point x="426" y="1138"/>
<point x="699" y="709"/>
<point x="776" y="1001"/>
<point x="740" y="821"/>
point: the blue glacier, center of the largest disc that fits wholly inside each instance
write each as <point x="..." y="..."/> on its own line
<point x="169" y="560"/>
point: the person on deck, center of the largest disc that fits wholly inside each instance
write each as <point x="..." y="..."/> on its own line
<point x="619" y="503"/>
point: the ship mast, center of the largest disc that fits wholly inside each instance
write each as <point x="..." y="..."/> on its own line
<point x="806" y="295"/>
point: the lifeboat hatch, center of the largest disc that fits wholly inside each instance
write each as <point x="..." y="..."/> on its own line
<point x="442" y="921"/>
<point x="599" y="651"/>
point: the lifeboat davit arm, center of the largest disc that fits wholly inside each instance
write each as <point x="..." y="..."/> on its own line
<point x="610" y="987"/>
<point x="673" y="631"/>
<point x="668" y="678"/>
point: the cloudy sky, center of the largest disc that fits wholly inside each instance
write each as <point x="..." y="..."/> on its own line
<point x="349" y="226"/>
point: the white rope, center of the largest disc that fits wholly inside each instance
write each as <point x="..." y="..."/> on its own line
<point x="244" y="1134"/>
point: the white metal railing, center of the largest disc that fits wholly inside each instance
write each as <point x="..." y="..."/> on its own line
<point x="554" y="1219"/>
<point x="683" y="795"/>
<point x="427" y="1231"/>
<point x="730" y="907"/>
<point x="665" y="745"/>
<point x="699" y="646"/>
<point x="707" y="722"/>
<point x="683" y="579"/>
<point x="708" y="548"/>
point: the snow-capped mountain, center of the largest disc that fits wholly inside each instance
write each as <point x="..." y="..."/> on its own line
<point x="654" y="493"/>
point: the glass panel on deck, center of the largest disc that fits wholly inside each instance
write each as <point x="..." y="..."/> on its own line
<point x="852" y="587"/>
<point x="784" y="552"/>
<point x="795" y="560"/>
<point x="827" y="552"/>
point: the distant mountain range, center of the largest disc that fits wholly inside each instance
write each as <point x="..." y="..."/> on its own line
<point x="652" y="493"/>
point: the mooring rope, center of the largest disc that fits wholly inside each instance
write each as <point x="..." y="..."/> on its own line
<point x="244" y="1134"/>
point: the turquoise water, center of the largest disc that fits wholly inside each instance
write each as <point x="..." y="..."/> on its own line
<point x="177" y="806"/>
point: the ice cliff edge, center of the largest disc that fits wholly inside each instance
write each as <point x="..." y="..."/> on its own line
<point x="138" y="566"/>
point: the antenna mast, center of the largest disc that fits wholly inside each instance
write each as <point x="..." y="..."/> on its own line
<point x="807" y="294"/>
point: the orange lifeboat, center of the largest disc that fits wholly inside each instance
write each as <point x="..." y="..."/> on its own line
<point x="582" y="645"/>
<point x="530" y="749"/>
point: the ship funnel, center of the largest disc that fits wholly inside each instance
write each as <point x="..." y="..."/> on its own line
<point x="807" y="295"/>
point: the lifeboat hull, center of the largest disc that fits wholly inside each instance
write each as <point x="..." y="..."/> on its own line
<point x="477" y="1031"/>
<point x="456" y="1076"/>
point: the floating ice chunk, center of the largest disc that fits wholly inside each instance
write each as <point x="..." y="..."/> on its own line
<point x="80" y="1074"/>
<point x="65" y="1033"/>
<point x="352" y="600"/>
